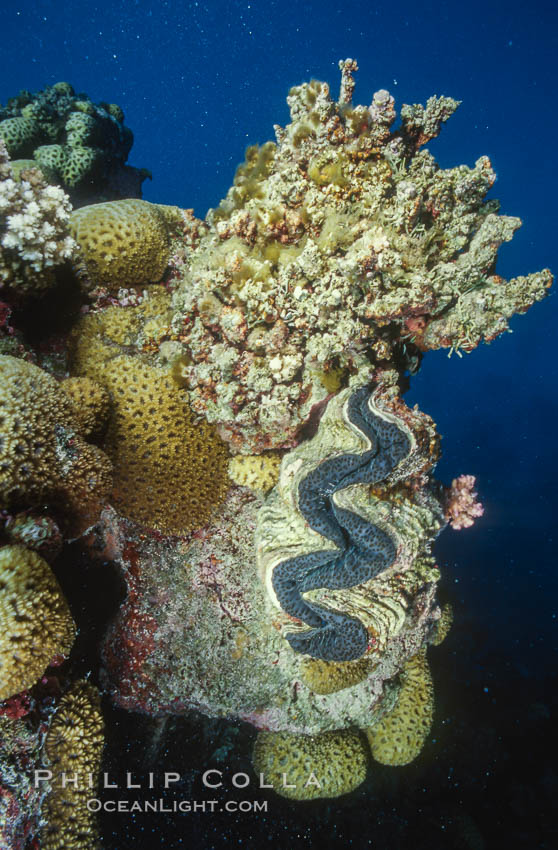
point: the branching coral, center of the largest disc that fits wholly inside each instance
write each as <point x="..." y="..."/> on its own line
<point x="342" y="247"/>
<point x="34" y="229"/>
<point x="35" y="621"/>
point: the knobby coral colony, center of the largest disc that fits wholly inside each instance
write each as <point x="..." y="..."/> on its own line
<point x="287" y="579"/>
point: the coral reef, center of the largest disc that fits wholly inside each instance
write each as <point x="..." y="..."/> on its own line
<point x="342" y="247"/>
<point x="261" y="484"/>
<point x="43" y="457"/>
<point x="124" y="243"/>
<point x="34" y="229"/>
<point x="74" y="747"/>
<point x="35" y="621"/>
<point x="198" y="629"/>
<point x="301" y="767"/>
<point x="400" y="735"/>
<point x="77" y="144"/>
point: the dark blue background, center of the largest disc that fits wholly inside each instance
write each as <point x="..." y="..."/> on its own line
<point x="200" y="81"/>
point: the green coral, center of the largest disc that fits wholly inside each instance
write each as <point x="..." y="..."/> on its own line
<point x="20" y="135"/>
<point x="80" y="145"/>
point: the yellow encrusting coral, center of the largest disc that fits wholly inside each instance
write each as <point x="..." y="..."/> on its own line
<point x="90" y="404"/>
<point x="170" y="472"/>
<point x="400" y="735"/>
<point x="43" y="456"/>
<point x="258" y="472"/>
<point x="35" y="621"/>
<point x="101" y="336"/>
<point x="325" y="765"/>
<point x="124" y="243"/>
<point x="443" y="625"/>
<point x="74" y="746"/>
<point x="328" y="677"/>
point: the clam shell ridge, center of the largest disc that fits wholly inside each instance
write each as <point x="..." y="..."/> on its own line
<point x="322" y="530"/>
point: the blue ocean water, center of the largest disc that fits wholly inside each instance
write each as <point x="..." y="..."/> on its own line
<point x="198" y="82"/>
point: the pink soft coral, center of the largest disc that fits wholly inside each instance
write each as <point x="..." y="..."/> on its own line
<point x="461" y="507"/>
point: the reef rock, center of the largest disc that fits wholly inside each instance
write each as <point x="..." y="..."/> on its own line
<point x="199" y="630"/>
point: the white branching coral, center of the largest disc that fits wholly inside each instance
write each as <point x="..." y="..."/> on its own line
<point x="34" y="235"/>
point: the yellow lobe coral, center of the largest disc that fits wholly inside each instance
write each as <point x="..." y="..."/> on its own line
<point x="258" y="472"/>
<point x="443" y="625"/>
<point x="90" y="404"/>
<point x="170" y="472"/>
<point x="99" y="337"/>
<point x="42" y="454"/>
<point x="328" y="677"/>
<point x="124" y="243"/>
<point x="35" y="620"/>
<point x="400" y="735"/>
<point x="74" y="746"/>
<point x="325" y="765"/>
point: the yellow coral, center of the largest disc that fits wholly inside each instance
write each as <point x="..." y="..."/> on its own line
<point x="328" y="677"/>
<point x="42" y="454"/>
<point x="170" y="472"/>
<point x="325" y="765"/>
<point x="35" y="621"/>
<point x="443" y="625"/>
<point x="74" y="746"/>
<point x="258" y="472"/>
<point x="124" y="243"/>
<point x="98" y="337"/>
<point x="90" y="404"/>
<point x="400" y="735"/>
